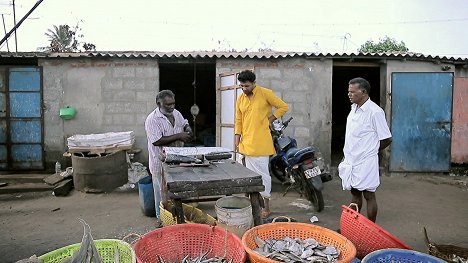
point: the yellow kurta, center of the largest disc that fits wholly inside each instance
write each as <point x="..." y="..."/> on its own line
<point x="252" y="121"/>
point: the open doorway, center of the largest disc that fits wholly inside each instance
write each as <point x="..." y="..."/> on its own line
<point x="341" y="104"/>
<point x="179" y="78"/>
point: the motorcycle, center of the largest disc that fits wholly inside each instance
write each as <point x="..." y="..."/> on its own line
<point x="298" y="167"/>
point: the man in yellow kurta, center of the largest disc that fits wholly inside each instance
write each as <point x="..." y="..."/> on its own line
<point x="254" y="117"/>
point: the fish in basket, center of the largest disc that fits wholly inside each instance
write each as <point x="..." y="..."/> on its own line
<point x="449" y="253"/>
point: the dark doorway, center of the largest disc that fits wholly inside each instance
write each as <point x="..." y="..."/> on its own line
<point x="179" y="78"/>
<point x="342" y="105"/>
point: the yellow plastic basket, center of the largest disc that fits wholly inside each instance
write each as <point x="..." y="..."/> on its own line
<point x="191" y="214"/>
<point x="105" y="247"/>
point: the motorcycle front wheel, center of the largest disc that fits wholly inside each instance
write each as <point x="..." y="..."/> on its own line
<point x="313" y="195"/>
<point x="277" y="170"/>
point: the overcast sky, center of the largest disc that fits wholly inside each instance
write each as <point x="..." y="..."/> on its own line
<point x="431" y="27"/>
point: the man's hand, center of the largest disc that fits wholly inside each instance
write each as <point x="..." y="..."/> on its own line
<point x="271" y="119"/>
<point x="184" y="136"/>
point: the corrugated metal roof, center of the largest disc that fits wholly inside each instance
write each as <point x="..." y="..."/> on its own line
<point x="214" y="55"/>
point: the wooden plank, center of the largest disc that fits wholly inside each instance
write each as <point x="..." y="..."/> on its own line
<point x="25" y="187"/>
<point x="214" y="176"/>
<point x="206" y="185"/>
<point x="216" y="191"/>
<point x="55" y="178"/>
<point x="179" y="211"/>
<point x="256" y="210"/>
<point x="63" y="188"/>
<point x="22" y="178"/>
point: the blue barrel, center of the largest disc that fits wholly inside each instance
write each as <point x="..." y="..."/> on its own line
<point x="146" y="193"/>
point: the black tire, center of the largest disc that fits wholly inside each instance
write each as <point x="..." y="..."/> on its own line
<point x="277" y="170"/>
<point x="313" y="195"/>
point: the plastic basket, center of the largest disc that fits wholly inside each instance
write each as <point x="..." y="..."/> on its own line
<point x="173" y="243"/>
<point x="105" y="247"/>
<point x="365" y="234"/>
<point x="296" y="230"/>
<point x="191" y="214"/>
<point x="395" y="255"/>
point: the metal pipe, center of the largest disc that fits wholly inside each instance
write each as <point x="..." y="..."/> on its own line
<point x="14" y="20"/>
<point x="4" y="28"/>
<point x="20" y="22"/>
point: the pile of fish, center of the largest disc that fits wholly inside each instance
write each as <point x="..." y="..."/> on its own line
<point x="88" y="251"/>
<point x="200" y="259"/>
<point x="291" y="250"/>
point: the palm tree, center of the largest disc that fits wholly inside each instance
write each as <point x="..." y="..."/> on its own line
<point x="62" y="39"/>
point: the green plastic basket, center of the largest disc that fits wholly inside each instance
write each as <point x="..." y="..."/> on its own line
<point x="105" y="247"/>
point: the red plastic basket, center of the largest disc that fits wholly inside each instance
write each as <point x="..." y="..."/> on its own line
<point x="366" y="235"/>
<point x="173" y="243"/>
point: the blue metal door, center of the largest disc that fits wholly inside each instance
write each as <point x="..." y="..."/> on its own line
<point x="21" y="132"/>
<point x="421" y="122"/>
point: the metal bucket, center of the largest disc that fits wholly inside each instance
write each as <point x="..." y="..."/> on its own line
<point x="234" y="214"/>
<point x="93" y="173"/>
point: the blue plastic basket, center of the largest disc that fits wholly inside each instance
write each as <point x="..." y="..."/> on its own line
<point x="396" y="255"/>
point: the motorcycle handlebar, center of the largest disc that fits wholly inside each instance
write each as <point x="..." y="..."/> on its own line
<point x="287" y="121"/>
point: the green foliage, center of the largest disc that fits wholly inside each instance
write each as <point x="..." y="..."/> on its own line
<point x="386" y="44"/>
<point x="64" y="38"/>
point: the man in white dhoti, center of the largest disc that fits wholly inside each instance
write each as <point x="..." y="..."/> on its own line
<point x="367" y="133"/>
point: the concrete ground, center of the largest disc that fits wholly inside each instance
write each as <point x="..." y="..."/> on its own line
<point x="36" y="223"/>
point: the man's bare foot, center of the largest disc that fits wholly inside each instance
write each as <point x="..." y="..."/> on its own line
<point x="265" y="213"/>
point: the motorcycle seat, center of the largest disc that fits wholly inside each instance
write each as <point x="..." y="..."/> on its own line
<point x="293" y="152"/>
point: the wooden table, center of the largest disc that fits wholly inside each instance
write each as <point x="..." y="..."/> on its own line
<point x="199" y="183"/>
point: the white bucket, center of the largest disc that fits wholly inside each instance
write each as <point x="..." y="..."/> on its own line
<point x="234" y="213"/>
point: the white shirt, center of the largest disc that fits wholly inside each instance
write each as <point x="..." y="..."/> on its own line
<point x="365" y="128"/>
<point x="157" y="125"/>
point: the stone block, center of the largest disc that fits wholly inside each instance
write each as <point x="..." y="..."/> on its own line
<point x="124" y="95"/>
<point x="123" y="119"/>
<point x="147" y="72"/>
<point x="294" y="96"/>
<point x="301" y="132"/>
<point x="111" y="84"/>
<point x="134" y="84"/>
<point x="269" y="73"/>
<point x="146" y="96"/>
<point x="123" y="72"/>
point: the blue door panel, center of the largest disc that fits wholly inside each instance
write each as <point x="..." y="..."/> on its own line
<point x="25" y="104"/>
<point x="21" y="138"/>
<point x="421" y="122"/>
<point x="26" y="152"/>
<point x="3" y="132"/>
<point x="26" y="131"/>
<point x="2" y="105"/>
<point x="27" y="79"/>
<point x="3" y="152"/>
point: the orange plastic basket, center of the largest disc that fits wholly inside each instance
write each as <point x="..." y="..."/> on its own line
<point x="366" y="235"/>
<point x="173" y="243"/>
<point x="296" y="230"/>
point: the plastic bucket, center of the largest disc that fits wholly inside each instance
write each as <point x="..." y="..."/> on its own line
<point x="234" y="214"/>
<point x="146" y="193"/>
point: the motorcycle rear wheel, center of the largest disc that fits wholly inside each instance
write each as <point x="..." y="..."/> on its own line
<point x="313" y="195"/>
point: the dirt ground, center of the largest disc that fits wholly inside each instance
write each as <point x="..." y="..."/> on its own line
<point x="36" y="223"/>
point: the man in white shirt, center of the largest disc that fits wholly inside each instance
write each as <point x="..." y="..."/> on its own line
<point x="165" y="126"/>
<point x="367" y="133"/>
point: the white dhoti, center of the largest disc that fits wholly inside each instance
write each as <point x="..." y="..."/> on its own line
<point x="362" y="176"/>
<point x="259" y="164"/>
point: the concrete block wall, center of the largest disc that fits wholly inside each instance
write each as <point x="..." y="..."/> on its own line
<point x="110" y="95"/>
<point x="305" y="85"/>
